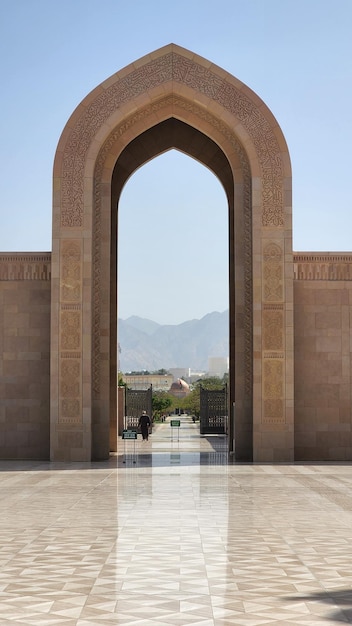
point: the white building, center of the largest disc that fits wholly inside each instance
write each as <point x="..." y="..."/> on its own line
<point x="218" y="365"/>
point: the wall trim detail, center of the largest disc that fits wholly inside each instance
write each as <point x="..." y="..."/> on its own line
<point x="25" y="266"/>
<point x="176" y="102"/>
<point x="322" y="266"/>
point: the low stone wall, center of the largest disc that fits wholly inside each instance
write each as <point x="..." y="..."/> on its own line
<point x="24" y="356"/>
<point x="323" y="373"/>
<point x="322" y="340"/>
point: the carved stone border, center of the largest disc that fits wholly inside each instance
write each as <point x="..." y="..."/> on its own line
<point x="172" y="66"/>
<point x="273" y="334"/>
<point x="219" y="126"/>
<point x="322" y="266"/>
<point x="70" y="333"/>
<point x="25" y="266"/>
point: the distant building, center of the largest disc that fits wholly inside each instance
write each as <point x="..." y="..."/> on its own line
<point x="196" y="376"/>
<point x="179" y="389"/>
<point x="159" y="382"/>
<point x="218" y="365"/>
<point x="181" y="372"/>
<point x="186" y="373"/>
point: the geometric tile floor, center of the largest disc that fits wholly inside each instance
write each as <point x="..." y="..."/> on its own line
<point x="170" y="533"/>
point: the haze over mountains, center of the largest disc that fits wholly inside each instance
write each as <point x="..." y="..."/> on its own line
<point x="147" y="345"/>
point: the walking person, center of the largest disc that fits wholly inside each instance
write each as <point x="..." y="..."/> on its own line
<point x="144" y="423"/>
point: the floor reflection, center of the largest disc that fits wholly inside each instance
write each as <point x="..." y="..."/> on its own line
<point x="167" y="447"/>
<point x="181" y="536"/>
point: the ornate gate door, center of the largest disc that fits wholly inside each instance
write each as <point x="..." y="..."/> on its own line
<point x="136" y="401"/>
<point x="213" y="411"/>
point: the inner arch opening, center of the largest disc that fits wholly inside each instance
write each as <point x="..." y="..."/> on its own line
<point x="173" y="242"/>
<point x="165" y="136"/>
<point x="172" y="133"/>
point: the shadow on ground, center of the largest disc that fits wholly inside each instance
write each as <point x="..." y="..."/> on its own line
<point x="340" y="602"/>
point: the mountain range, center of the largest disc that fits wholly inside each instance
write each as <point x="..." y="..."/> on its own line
<point x="147" y="345"/>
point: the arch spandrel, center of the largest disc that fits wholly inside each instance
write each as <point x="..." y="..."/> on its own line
<point x="171" y="83"/>
<point x="180" y="110"/>
<point x="173" y="71"/>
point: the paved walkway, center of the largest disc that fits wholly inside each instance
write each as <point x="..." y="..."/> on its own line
<point x="171" y="534"/>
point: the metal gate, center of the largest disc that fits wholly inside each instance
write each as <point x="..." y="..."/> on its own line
<point x="213" y="411"/>
<point x="136" y="401"/>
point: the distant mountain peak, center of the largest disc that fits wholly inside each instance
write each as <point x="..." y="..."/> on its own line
<point x="143" y="324"/>
<point x="147" y="345"/>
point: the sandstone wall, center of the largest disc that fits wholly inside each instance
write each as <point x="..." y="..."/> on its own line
<point x="24" y="356"/>
<point x="322" y="339"/>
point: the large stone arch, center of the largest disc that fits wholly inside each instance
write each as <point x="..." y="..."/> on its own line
<point x="171" y="99"/>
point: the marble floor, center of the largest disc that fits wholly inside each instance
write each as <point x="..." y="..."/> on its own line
<point x="168" y="532"/>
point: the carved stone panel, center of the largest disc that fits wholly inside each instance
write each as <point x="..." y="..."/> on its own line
<point x="273" y="327"/>
<point x="70" y="367"/>
<point x="70" y="387"/>
<point x="273" y="391"/>
<point x="273" y="335"/>
<point x="71" y="272"/>
<point x="273" y="273"/>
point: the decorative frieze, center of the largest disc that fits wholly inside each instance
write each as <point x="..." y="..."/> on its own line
<point x="318" y="266"/>
<point x="28" y="266"/>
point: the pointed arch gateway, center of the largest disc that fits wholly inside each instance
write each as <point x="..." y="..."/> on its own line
<point x="171" y="98"/>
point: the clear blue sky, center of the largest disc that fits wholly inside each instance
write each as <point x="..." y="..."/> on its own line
<point x="295" y="54"/>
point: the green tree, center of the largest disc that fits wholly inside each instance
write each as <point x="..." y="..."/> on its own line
<point x="191" y="404"/>
<point x="161" y="402"/>
<point x="212" y="382"/>
<point x="120" y="380"/>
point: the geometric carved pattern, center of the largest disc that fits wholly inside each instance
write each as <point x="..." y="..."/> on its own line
<point x="70" y="324"/>
<point x="70" y="377"/>
<point x="28" y="266"/>
<point x="317" y="266"/>
<point x="239" y="105"/>
<point x="273" y="391"/>
<point x="70" y="368"/>
<point x="71" y="272"/>
<point x="273" y="273"/>
<point x="70" y="371"/>
<point x="96" y="270"/>
<point x="273" y="333"/>
<point x="248" y="283"/>
<point x="70" y="409"/>
<point x="171" y="66"/>
<point x="273" y="327"/>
